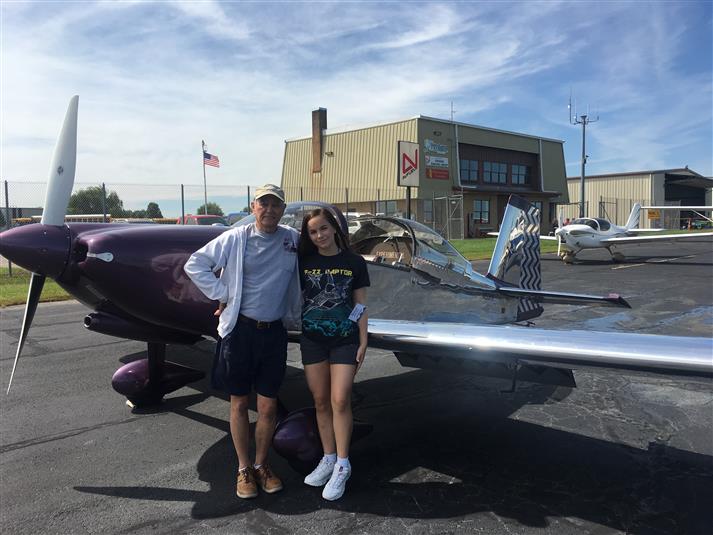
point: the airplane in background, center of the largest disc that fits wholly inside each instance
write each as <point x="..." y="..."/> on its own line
<point x="598" y="233"/>
<point x="426" y="303"/>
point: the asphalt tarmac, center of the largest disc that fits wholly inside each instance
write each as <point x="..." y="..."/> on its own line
<point x="448" y="454"/>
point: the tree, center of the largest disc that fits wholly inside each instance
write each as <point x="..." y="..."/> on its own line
<point x="89" y="201"/>
<point x="153" y="211"/>
<point x="138" y="214"/>
<point x="213" y="209"/>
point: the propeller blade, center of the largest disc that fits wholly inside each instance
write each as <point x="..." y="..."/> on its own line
<point x="61" y="177"/>
<point x="559" y="243"/>
<point x="59" y="189"/>
<point x="33" y="297"/>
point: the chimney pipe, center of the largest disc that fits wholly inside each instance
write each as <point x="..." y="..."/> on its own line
<point x="319" y="125"/>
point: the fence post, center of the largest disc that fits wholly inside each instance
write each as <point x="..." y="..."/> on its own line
<point x="103" y="202"/>
<point x="183" y="207"/>
<point x="7" y="224"/>
<point x="301" y="195"/>
<point x="7" y="209"/>
<point x="250" y="208"/>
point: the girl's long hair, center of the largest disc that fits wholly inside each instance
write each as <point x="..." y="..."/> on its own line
<point x="306" y="247"/>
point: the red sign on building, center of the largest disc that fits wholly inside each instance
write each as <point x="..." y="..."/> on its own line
<point x="440" y="174"/>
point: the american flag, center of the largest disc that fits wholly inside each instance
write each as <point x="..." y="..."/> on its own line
<point x="210" y="159"/>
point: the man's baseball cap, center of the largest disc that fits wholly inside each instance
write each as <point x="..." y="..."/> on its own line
<point x="270" y="189"/>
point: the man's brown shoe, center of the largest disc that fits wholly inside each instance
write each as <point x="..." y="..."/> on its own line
<point x="246" y="488"/>
<point x="268" y="481"/>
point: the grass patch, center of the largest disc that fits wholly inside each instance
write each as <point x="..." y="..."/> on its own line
<point x="13" y="290"/>
<point x="482" y="248"/>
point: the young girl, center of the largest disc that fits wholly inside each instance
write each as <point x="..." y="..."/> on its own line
<point x="333" y="342"/>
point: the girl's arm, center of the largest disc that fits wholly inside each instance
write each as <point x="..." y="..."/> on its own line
<point x="360" y="297"/>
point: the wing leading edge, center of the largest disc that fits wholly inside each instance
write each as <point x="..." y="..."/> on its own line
<point x="666" y="355"/>
<point x="665" y="237"/>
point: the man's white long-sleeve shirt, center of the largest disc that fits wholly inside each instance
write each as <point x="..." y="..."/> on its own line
<point x="227" y="252"/>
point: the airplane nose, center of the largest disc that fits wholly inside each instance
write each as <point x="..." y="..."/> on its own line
<point x="42" y="249"/>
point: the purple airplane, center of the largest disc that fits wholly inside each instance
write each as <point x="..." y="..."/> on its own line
<point x="426" y="302"/>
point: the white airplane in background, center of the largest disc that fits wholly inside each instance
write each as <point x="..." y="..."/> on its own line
<point x="598" y="233"/>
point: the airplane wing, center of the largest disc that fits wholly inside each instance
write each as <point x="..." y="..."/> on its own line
<point x="512" y="345"/>
<point x="680" y="208"/>
<point x="659" y="238"/>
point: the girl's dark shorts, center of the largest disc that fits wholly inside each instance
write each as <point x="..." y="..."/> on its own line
<point x="249" y="358"/>
<point x="314" y="352"/>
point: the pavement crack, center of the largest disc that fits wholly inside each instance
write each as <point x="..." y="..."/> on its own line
<point x="65" y="434"/>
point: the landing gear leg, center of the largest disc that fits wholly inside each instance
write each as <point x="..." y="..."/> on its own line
<point x="616" y="257"/>
<point x="157" y="363"/>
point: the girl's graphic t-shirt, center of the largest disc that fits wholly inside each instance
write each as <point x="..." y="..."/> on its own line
<point x="328" y="283"/>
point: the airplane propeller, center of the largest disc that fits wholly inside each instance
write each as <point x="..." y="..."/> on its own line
<point x="59" y="189"/>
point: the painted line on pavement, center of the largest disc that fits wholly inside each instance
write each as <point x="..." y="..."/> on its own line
<point x="655" y="261"/>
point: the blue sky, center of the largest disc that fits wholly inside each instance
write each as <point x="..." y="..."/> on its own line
<point x="154" y="78"/>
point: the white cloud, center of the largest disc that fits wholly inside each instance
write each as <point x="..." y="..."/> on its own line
<point x="156" y="78"/>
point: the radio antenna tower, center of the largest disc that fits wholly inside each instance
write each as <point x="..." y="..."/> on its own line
<point x="584" y="120"/>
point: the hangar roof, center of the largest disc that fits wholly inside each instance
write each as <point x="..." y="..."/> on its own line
<point x="352" y="128"/>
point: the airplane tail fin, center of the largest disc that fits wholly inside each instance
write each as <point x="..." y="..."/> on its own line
<point x="516" y="258"/>
<point x="634" y="216"/>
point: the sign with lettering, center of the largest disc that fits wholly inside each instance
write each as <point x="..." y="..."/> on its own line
<point x="439" y="174"/>
<point x="436" y="161"/>
<point x="435" y="148"/>
<point x="408" y="172"/>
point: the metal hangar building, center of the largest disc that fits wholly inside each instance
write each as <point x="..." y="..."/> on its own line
<point x="612" y="195"/>
<point x="465" y="173"/>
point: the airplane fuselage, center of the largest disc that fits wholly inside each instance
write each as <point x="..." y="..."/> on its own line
<point x="580" y="236"/>
<point x="135" y="273"/>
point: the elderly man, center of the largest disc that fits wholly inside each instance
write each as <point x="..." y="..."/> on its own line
<point x="257" y="290"/>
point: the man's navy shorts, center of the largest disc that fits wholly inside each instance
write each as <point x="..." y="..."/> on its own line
<point x="250" y="357"/>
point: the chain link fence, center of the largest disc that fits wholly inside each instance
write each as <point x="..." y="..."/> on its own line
<point x="617" y="211"/>
<point x="105" y="202"/>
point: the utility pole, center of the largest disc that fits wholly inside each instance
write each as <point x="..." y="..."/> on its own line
<point x="205" y="188"/>
<point x="584" y="120"/>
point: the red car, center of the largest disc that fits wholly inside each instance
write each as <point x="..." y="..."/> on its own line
<point x="191" y="219"/>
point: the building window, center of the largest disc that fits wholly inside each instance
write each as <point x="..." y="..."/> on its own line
<point x="520" y="174"/>
<point x="427" y="211"/>
<point x="481" y="212"/>
<point x="495" y="172"/>
<point x="386" y="208"/>
<point x="468" y="171"/>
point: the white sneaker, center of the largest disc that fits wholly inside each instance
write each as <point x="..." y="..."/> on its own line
<point x="334" y="489"/>
<point x="321" y="474"/>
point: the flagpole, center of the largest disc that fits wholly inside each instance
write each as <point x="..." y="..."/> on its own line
<point x="205" y="189"/>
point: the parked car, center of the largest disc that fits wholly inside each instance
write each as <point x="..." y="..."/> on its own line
<point x="234" y="217"/>
<point x="200" y="219"/>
